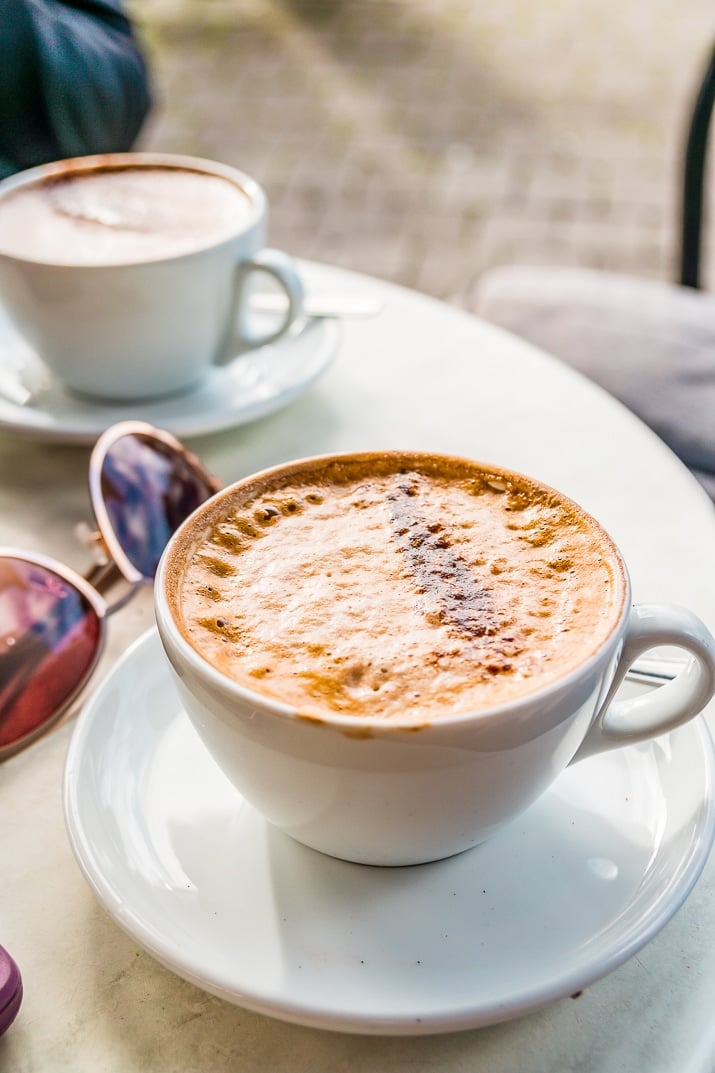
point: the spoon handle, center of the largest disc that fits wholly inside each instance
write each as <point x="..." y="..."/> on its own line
<point x="320" y="305"/>
<point x="654" y="671"/>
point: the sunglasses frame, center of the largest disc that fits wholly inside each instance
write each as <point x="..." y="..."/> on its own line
<point x="104" y="536"/>
<point x="111" y="560"/>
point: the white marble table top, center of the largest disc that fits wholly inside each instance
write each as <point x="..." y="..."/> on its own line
<point x="420" y="375"/>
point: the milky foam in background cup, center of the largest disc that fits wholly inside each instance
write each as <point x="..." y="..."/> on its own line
<point x="129" y="273"/>
<point x="393" y="654"/>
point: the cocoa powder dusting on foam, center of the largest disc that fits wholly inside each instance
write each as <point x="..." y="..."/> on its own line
<point x="453" y="594"/>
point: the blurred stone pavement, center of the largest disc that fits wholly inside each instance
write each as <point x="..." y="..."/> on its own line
<point x="424" y="141"/>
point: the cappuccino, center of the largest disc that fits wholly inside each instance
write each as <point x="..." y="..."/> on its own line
<point x="120" y="215"/>
<point x="397" y="586"/>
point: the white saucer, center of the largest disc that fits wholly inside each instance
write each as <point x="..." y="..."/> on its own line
<point x="197" y="877"/>
<point x="254" y="385"/>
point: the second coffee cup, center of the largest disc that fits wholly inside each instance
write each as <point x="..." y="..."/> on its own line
<point x="130" y="274"/>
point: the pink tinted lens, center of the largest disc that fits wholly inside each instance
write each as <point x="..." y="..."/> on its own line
<point x="49" y="640"/>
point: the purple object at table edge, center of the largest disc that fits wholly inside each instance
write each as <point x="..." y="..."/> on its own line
<point x="10" y="990"/>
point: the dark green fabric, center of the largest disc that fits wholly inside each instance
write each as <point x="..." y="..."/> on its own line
<point x="73" y="81"/>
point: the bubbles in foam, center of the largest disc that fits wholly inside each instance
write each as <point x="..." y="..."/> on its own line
<point x="332" y="608"/>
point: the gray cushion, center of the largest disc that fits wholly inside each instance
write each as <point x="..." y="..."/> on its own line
<point x="650" y="344"/>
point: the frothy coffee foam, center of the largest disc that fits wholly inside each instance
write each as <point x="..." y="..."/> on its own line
<point x="395" y="587"/>
<point x="120" y="215"/>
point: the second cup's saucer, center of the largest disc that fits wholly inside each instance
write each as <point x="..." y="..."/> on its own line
<point x="559" y="898"/>
<point x="256" y="384"/>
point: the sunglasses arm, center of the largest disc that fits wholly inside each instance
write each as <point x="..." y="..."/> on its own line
<point x="104" y="577"/>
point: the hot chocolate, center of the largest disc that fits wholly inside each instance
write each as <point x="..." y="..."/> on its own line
<point x="398" y="586"/>
<point x="120" y="215"/>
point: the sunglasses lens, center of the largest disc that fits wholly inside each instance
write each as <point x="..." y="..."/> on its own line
<point x="49" y="640"/>
<point x="148" y="490"/>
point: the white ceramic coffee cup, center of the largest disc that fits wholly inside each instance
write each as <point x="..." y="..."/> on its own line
<point x="153" y="327"/>
<point x="395" y="794"/>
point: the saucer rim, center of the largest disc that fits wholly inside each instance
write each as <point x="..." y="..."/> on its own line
<point x="681" y="882"/>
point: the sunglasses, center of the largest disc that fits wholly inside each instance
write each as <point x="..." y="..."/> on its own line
<point x="143" y="483"/>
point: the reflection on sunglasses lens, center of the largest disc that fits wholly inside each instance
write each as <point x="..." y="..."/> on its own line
<point x="148" y="491"/>
<point x="49" y="639"/>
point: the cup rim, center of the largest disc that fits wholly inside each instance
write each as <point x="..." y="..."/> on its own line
<point x="119" y="161"/>
<point x="171" y="634"/>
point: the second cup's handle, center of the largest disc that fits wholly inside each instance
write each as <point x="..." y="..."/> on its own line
<point x="283" y="270"/>
<point x="622" y="722"/>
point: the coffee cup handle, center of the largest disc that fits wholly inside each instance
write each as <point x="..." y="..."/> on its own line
<point x="623" y="722"/>
<point x="283" y="270"/>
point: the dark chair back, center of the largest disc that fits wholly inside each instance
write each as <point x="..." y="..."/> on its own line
<point x="691" y="219"/>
